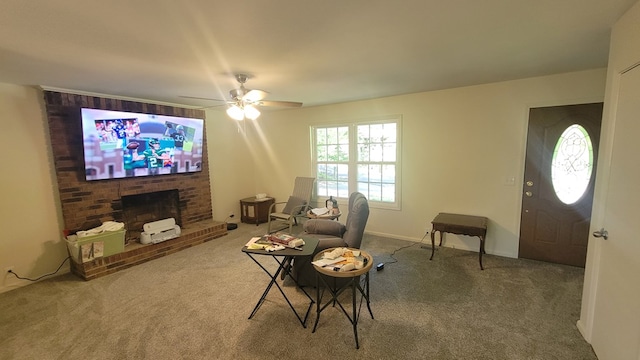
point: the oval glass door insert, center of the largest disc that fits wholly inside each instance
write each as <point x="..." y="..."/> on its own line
<point x="572" y="164"/>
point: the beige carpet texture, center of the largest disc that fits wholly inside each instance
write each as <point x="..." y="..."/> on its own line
<point x="195" y="304"/>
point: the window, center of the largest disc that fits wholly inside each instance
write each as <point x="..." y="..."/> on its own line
<point x="363" y="157"/>
<point x="572" y="164"/>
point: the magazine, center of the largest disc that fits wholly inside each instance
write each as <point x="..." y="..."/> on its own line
<point x="285" y="239"/>
<point x="268" y="241"/>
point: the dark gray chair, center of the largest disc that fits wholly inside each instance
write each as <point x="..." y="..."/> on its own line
<point x="332" y="233"/>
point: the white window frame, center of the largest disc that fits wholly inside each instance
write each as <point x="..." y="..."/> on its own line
<point x="353" y="162"/>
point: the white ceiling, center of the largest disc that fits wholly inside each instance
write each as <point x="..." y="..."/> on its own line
<point x="315" y="52"/>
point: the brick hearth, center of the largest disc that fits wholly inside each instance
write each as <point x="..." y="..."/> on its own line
<point x="136" y="253"/>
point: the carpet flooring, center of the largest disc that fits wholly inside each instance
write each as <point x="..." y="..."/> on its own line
<point x="195" y="304"/>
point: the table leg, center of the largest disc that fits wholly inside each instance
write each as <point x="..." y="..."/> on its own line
<point x="273" y="281"/>
<point x="266" y="291"/>
<point x="433" y="243"/>
<point x="367" y="291"/>
<point x="354" y="284"/>
<point x="318" y="301"/>
<point x="481" y="251"/>
<point x="355" y="317"/>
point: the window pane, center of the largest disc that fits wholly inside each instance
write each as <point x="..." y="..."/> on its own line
<point x="389" y="192"/>
<point x="363" y="187"/>
<point x="321" y="153"/>
<point x="376" y="152"/>
<point x="321" y="172"/>
<point x="376" y="133"/>
<point x="363" y="133"/>
<point x="332" y="152"/>
<point x="343" y="152"/>
<point x="363" y="173"/>
<point x="390" y="132"/>
<point x="343" y="189"/>
<point x="321" y="187"/>
<point x="389" y="152"/>
<point x="571" y="164"/>
<point x="375" y="173"/>
<point x="343" y="135"/>
<point x="321" y="136"/>
<point x="343" y="172"/>
<point x="389" y="174"/>
<point x="375" y="192"/>
<point x="332" y="135"/>
<point x="332" y="172"/>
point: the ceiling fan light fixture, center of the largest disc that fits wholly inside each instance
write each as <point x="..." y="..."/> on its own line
<point x="251" y="112"/>
<point x="235" y="112"/>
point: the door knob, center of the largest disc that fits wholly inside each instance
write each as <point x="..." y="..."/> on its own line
<point x="602" y="233"/>
<point x="529" y="194"/>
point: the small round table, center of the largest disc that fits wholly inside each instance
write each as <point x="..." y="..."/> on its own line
<point x="328" y="216"/>
<point x="354" y="282"/>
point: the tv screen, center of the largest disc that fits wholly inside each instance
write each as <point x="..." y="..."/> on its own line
<point x="121" y="144"/>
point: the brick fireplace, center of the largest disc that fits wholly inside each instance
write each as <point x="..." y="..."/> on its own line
<point x="86" y="204"/>
<point x="140" y="209"/>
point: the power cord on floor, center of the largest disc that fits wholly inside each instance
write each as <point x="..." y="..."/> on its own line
<point x="38" y="278"/>
<point x="381" y="265"/>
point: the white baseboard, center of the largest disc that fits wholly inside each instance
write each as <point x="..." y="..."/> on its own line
<point x="427" y="240"/>
<point x="583" y="331"/>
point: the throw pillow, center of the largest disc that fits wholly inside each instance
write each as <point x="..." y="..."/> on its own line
<point x="294" y="203"/>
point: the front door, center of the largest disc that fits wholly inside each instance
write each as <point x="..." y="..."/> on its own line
<point x="616" y="320"/>
<point x="558" y="186"/>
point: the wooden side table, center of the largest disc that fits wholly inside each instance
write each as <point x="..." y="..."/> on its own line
<point x="255" y="211"/>
<point x="462" y="225"/>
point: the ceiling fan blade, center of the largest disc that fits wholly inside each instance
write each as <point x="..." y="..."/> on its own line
<point x="255" y="95"/>
<point x="202" y="98"/>
<point x="279" y="103"/>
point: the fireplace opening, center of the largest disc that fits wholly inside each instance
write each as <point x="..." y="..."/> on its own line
<point x="140" y="209"/>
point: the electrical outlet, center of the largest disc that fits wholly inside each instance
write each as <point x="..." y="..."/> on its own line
<point x="232" y="214"/>
<point x="8" y="269"/>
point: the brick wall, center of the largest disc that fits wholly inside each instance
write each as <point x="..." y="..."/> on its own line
<point x="86" y="204"/>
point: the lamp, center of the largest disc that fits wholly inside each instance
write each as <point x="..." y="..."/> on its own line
<point x="251" y="112"/>
<point x="235" y="112"/>
<point x="240" y="112"/>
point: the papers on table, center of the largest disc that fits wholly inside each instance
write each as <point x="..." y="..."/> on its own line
<point x="274" y="242"/>
<point x="256" y="243"/>
<point x="325" y="262"/>
<point x="319" y="211"/>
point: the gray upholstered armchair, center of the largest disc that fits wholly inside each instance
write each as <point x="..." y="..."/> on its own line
<point x="332" y="233"/>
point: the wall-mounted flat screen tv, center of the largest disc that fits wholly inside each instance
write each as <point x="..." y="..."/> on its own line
<point x="121" y="144"/>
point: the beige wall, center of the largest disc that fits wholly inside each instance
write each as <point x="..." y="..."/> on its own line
<point x="459" y="148"/>
<point x="29" y="211"/>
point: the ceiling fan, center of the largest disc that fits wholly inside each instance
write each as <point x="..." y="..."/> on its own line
<point x="244" y="101"/>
